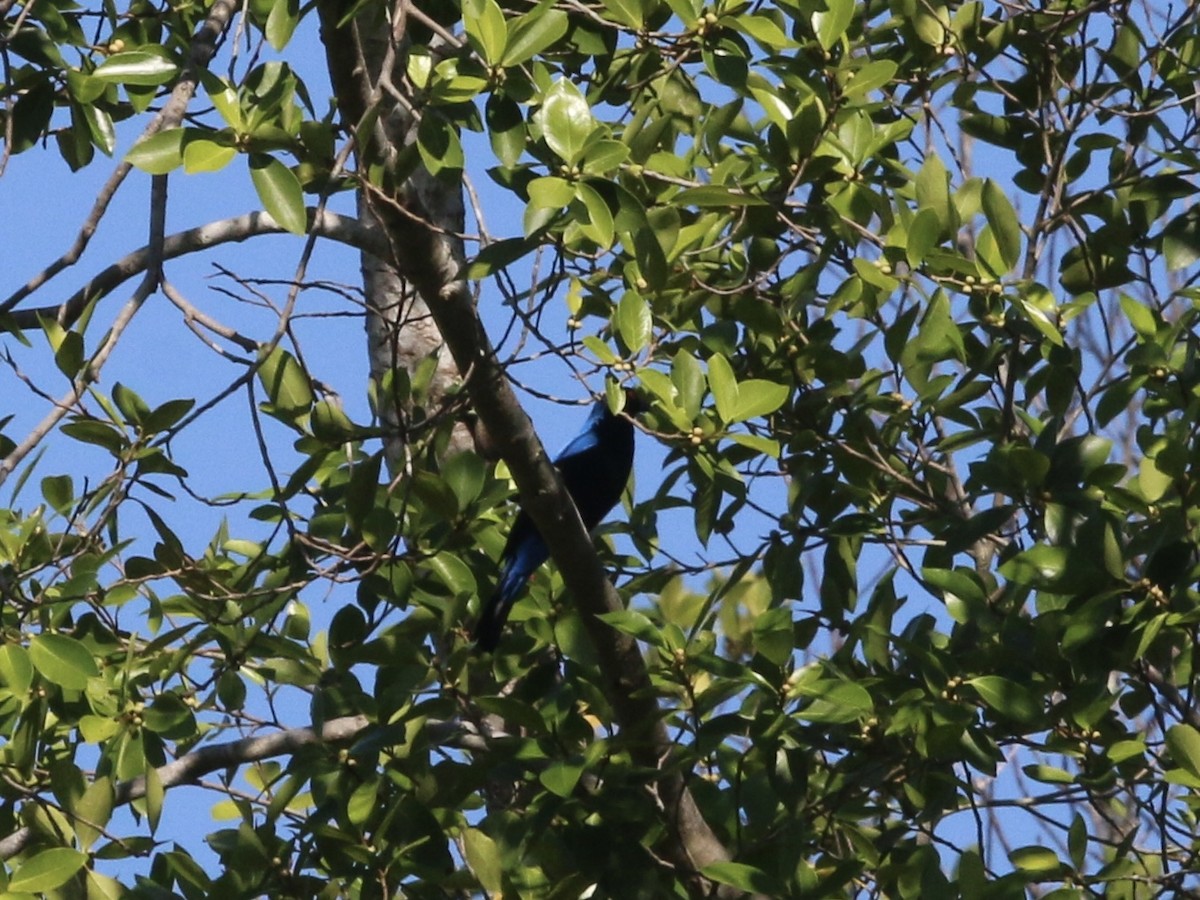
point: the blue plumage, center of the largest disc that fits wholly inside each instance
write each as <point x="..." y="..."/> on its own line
<point x="595" y="467"/>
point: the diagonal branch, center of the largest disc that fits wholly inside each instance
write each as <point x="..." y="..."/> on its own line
<point x="425" y="256"/>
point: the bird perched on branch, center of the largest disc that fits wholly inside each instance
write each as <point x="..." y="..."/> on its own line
<point x="595" y="467"/>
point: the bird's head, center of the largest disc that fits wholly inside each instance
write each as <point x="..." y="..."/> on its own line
<point x="634" y="403"/>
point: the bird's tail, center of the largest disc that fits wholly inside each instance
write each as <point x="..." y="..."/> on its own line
<point x="495" y="612"/>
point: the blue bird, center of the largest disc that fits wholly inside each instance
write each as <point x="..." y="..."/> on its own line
<point x="595" y="467"/>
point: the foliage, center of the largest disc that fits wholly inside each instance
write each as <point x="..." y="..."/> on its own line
<point x="909" y="288"/>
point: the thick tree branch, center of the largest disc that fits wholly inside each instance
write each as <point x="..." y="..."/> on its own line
<point x="426" y="258"/>
<point x="625" y="677"/>
<point x="323" y="223"/>
<point x="192" y="766"/>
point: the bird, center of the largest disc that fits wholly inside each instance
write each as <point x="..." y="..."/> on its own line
<point x="595" y="467"/>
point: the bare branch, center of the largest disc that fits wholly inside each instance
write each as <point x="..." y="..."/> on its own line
<point x="204" y="45"/>
<point x="324" y="224"/>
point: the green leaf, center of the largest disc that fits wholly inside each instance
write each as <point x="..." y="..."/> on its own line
<point x="483" y="856"/>
<point x="363" y="801"/>
<point x="1153" y="480"/>
<point x="1007" y="697"/>
<point x="93" y="432"/>
<point x="506" y="129"/>
<point x="93" y="810"/>
<point x="873" y="75"/>
<point x="139" y="67"/>
<point x="724" y="386"/>
<point x="757" y="397"/>
<point x="633" y="321"/>
<point x="597" y="224"/>
<point x="497" y="255"/>
<point x="364" y="485"/>
<point x="924" y="233"/>
<point x="169" y="715"/>
<point x="1038" y="307"/>
<point x="566" y="121"/>
<point x="159" y="153"/>
<point x="1141" y="317"/>
<point x="1035" y="860"/>
<point x="486" y="29"/>
<point x="1181" y="240"/>
<point x="1048" y="774"/>
<point x="600" y="350"/>
<point x="16" y="669"/>
<point x="329" y="422"/>
<point x="533" y="33"/>
<point x="831" y="23"/>
<point x="764" y="30"/>
<point x="280" y="192"/>
<point x="69" y="357"/>
<point x="206" y="156"/>
<point x="1077" y="841"/>
<point x="743" y="877"/>
<point x="455" y="574"/>
<point x="777" y="109"/>
<point x="439" y="144"/>
<point x="550" y="192"/>
<point x="62" y="660"/>
<point x="835" y="701"/>
<point x="773" y="634"/>
<point x="957" y="586"/>
<point x="1183" y="742"/>
<point x="602" y="157"/>
<point x="839" y="586"/>
<point x="465" y="474"/>
<point x="225" y="99"/>
<point x="132" y="407"/>
<point x="59" y="492"/>
<point x="758" y="443"/>
<point x="560" y="777"/>
<point x="100" y="127"/>
<point x="627" y="12"/>
<point x="933" y="192"/>
<point x="636" y="624"/>
<point x="1002" y="217"/>
<point x="84" y="88"/>
<point x="285" y="382"/>
<point x="46" y="870"/>
<point x="281" y="23"/>
<point x="167" y="416"/>
<point x="104" y="887"/>
<point x="688" y="378"/>
<point x="1040" y="566"/>
<point x="155" y="794"/>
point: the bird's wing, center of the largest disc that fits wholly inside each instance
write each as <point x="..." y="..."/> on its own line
<point x="588" y="438"/>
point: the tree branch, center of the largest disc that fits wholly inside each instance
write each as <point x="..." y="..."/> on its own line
<point x="203" y="46"/>
<point x="425" y="257"/>
<point x="192" y="766"/>
<point x="325" y="224"/>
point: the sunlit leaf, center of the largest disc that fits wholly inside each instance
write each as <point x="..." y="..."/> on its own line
<point x="159" y="153"/>
<point x="62" y="660"/>
<point x="46" y="870"/>
<point x="142" y="67"/>
<point x="566" y="120"/>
